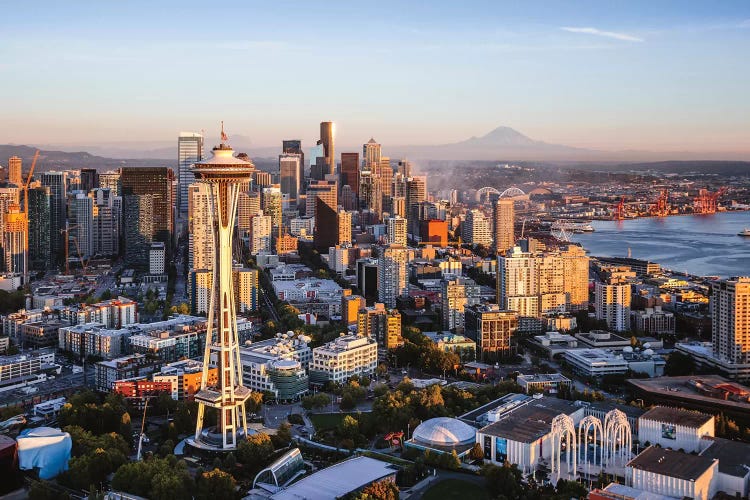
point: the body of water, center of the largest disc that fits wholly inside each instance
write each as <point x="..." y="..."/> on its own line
<point x="704" y="245"/>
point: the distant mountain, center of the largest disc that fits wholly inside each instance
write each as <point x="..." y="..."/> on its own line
<point x="51" y="159"/>
<point x="507" y="144"/>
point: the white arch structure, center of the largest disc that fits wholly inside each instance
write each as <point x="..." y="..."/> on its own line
<point x="585" y="428"/>
<point x="618" y="438"/>
<point x="484" y="193"/>
<point x="512" y="193"/>
<point x="563" y="430"/>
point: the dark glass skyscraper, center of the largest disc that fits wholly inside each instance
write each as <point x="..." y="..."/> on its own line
<point x="39" y="228"/>
<point x="147" y="210"/>
<point x="350" y="171"/>
<point x="189" y="151"/>
<point x="294" y="147"/>
<point x="57" y="182"/>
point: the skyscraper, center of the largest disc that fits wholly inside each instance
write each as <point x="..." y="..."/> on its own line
<point x="223" y="173"/>
<point x="613" y="304"/>
<point x="393" y="278"/>
<point x="261" y="233"/>
<point x="189" y="151"/>
<point x="327" y="132"/>
<point x="504" y="223"/>
<point x="371" y="155"/>
<point x="147" y="210"/>
<point x="107" y="214"/>
<point x="730" y="319"/>
<point x="39" y="228"/>
<point x="89" y="179"/>
<point x="350" y="171"/>
<point x="200" y="229"/>
<point x="416" y="193"/>
<point x="294" y="147"/>
<point x="81" y="225"/>
<point x="14" y="240"/>
<point x="289" y="176"/>
<point x="57" y="183"/>
<point x="14" y="171"/>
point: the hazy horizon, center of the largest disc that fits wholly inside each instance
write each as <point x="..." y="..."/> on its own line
<point x="649" y="76"/>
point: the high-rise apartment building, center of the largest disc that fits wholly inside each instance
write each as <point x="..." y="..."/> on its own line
<point x="404" y="168"/>
<point x="327" y="133"/>
<point x="350" y="307"/>
<point x="381" y="324"/>
<point x="730" y="319"/>
<point x="504" y="225"/>
<point x="189" y="151"/>
<point x="385" y="173"/>
<point x="200" y="234"/>
<point x="147" y="196"/>
<point x="14" y="240"/>
<point x="261" y="234"/>
<point x="393" y="277"/>
<point x="271" y="203"/>
<point x="344" y="224"/>
<point x="457" y="294"/>
<point x="289" y="176"/>
<point x="245" y="289"/>
<point x="39" y="228"/>
<point x="613" y="304"/>
<point x="476" y="229"/>
<point x="492" y="328"/>
<point x="58" y="187"/>
<point x="248" y="205"/>
<point x="14" y="171"/>
<point x="396" y="229"/>
<point x="517" y="284"/>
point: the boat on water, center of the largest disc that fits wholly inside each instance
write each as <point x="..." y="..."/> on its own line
<point x="574" y="226"/>
<point x="745" y="232"/>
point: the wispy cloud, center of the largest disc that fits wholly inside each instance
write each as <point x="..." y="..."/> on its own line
<point x="606" y="34"/>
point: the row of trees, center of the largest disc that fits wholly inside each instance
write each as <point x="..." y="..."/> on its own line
<point x="406" y="406"/>
<point x="419" y="351"/>
<point x="506" y="483"/>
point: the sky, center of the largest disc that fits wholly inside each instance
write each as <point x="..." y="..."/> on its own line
<point x="648" y="75"/>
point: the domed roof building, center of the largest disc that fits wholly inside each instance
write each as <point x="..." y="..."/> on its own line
<point x="443" y="435"/>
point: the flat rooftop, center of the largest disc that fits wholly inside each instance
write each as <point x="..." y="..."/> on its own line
<point x="672" y="463"/>
<point x="696" y="388"/>
<point x="337" y="480"/>
<point x="677" y="416"/>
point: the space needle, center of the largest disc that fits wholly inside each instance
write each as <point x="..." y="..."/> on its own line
<point x="223" y="174"/>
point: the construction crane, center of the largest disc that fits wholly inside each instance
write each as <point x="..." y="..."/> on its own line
<point x="25" y="189"/>
<point x="66" y="232"/>
<point x="619" y="213"/>
<point x="707" y="202"/>
<point x="661" y="207"/>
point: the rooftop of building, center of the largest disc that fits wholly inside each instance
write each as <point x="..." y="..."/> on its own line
<point x="447" y="337"/>
<point x="16" y="358"/>
<point x="337" y="480"/>
<point x="677" y="416"/>
<point x="529" y="419"/>
<point x="733" y="456"/>
<point x="543" y="377"/>
<point x="676" y="464"/>
<point x="346" y="343"/>
<point x="323" y="285"/>
<point x="595" y="356"/>
<point x="601" y="336"/>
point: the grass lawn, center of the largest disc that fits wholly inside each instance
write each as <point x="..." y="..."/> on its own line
<point x="451" y="489"/>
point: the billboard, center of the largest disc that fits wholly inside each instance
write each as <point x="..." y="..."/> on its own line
<point x="501" y="449"/>
<point x="668" y="431"/>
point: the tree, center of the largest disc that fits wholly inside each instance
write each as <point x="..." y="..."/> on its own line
<point x="215" y="484"/>
<point x="283" y="436"/>
<point x="254" y="451"/>
<point x="679" y="364"/>
<point x="503" y="482"/>
<point x="254" y="402"/>
<point x="183" y="308"/>
<point x="379" y="490"/>
<point x="126" y="428"/>
<point x="476" y="453"/>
